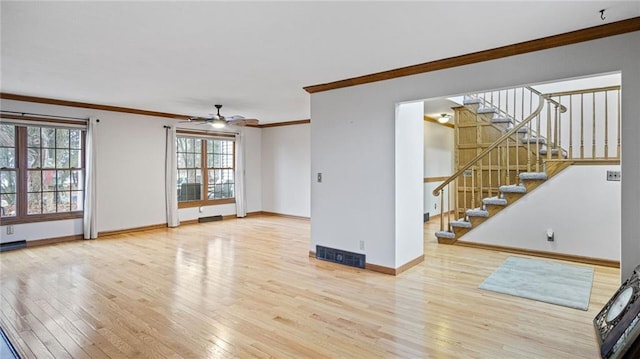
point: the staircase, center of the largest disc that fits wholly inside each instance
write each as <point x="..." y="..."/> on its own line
<point x="509" y="142"/>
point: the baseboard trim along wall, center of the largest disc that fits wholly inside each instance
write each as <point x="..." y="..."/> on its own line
<point x="383" y="269"/>
<point x="47" y="241"/>
<point x="131" y="230"/>
<point x="551" y="255"/>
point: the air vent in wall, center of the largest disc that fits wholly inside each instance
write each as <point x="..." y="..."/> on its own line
<point x="340" y="256"/>
<point x="209" y="219"/>
<point x="12" y="245"/>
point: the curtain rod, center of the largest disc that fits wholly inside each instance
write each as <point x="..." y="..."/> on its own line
<point x="40" y="114"/>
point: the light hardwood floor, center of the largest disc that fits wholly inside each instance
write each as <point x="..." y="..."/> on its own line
<point x="247" y="288"/>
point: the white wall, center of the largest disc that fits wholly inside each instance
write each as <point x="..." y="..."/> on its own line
<point x="286" y="170"/>
<point x="130" y="171"/>
<point x="438" y="162"/>
<point x="353" y="138"/>
<point x="578" y="204"/>
<point x="409" y="149"/>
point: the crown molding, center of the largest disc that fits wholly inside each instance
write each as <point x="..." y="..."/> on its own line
<point x="568" y="38"/>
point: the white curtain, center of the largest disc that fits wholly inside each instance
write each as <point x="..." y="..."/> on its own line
<point x="90" y="216"/>
<point x="241" y="202"/>
<point x="171" y="178"/>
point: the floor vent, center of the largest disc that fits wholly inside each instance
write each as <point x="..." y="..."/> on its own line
<point x="12" y="245"/>
<point x="340" y="256"/>
<point x="209" y="219"/>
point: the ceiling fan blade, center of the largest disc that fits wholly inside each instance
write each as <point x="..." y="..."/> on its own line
<point x="234" y="117"/>
<point x="244" y="122"/>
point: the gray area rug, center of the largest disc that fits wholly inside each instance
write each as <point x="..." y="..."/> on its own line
<point x="545" y="281"/>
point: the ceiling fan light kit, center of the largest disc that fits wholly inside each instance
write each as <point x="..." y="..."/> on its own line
<point x="219" y="121"/>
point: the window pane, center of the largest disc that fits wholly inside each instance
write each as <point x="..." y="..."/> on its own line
<point x="209" y="160"/>
<point x="8" y="202"/>
<point x="34" y="203"/>
<point x="77" y="200"/>
<point x="63" y="200"/>
<point x="7" y="182"/>
<point x="48" y="158"/>
<point x="75" y="139"/>
<point x="48" y="180"/>
<point x="197" y="146"/>
<point x="33" y="136"/>
<point x="62" y="158"/>
<point x="181" y="144"/>
<point x="48" y="202"/>
<point x="190" y="160"/>
<point x="34" y="181"/>
<point x="7" y="157"/>
<point x="48" y="137"/>
<point x="77" y="180"/>
<point x="197" y="160"/>
<point x="62" y="138"/>
<point x="7" y="135"/>
<point x="64" y="180"/>
<point x="189" y="147"/>
<point x="75" y="160"/>
<point x="182" y="161"/>
<point x="33" y="158"/>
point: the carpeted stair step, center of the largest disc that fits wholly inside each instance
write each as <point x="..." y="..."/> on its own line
<point x="460" y="227"/>
<point x="502" y="119"/>
<point x="471" y="101"/>
<point x="554" y="152"/>
<point x="533" y="176"/>
<point x="496" y="201"/>
<point x="534" y="140"/>
<point x="531" y="180"/>
<point x="494" y="205"/>
<point x="446" y="237"/>
<point x="513" y="188"/>
<point x="513" y="193"/>
<point x="486" y="110"/>
<point x="477" y="216"/>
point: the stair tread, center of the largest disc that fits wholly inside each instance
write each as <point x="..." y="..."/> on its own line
<point x="539" y="140"/>
<point x="461" y="223"/>
<point x="471" y="101"/>
<point x="533" y="176"/>
<point x="477" y="212"/>
<point x="445" y="234"/>
<point x="514" y="188"/>
<point x="486" y="110"/>
<point x="495" y="201"/>
<point x="501" y="119"/>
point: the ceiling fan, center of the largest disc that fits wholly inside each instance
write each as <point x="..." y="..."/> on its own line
<point x="219" y="121"/>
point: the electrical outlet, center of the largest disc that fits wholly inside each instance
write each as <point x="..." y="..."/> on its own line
<point x="9" y="229"/>
<point x="613" y="175"/>
<point x="319" y="177"/>
<point x="435" y="206"/>
<point x="362" y="245"/>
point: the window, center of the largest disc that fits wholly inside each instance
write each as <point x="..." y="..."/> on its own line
<point x="41" y="173"/>
<point x="205" y="171"/>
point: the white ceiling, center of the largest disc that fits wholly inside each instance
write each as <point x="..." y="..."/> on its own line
<point x="253" y="57"/>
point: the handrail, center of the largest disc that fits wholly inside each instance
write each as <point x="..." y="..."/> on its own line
<point x="563" y="109"/>
<point x="578" y="92"/>
<point x="514" y="130"/>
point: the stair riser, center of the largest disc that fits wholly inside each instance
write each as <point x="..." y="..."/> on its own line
<point x="530" y="185"/>
<point x="493" y="209"/>
<point x="476" y="221"/>
<point x="446" y="240"/>
<point x="460" y="231"/>
<point x="512" y="197"/>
